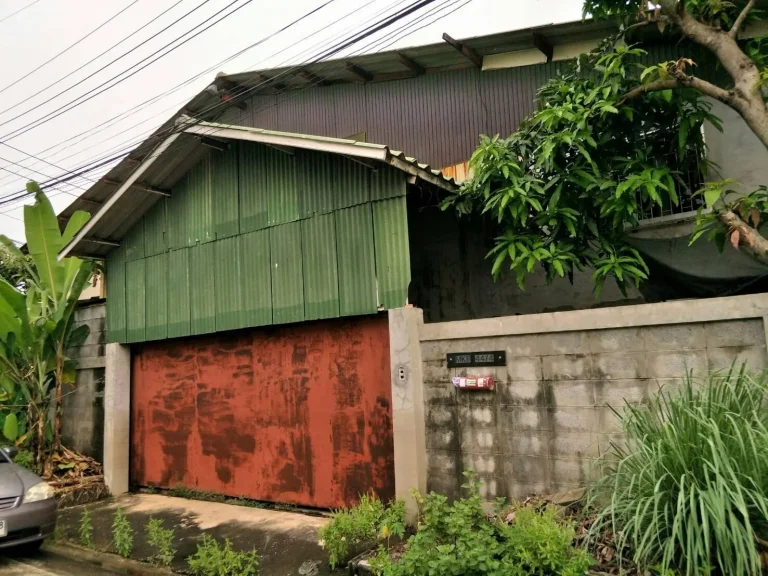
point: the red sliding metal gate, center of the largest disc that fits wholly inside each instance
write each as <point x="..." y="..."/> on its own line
<point x="298" y="414"/>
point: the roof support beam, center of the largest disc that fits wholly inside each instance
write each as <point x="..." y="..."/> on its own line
<point x="214" y="143"/>
<point x="284" y="149"/>
<point x="543" y="46"/>
<point x="140" y="186"/>
<point x="312" y="77"/>
<point x="468" y="53"/>
<point x="359" y="73"/>
<point x="279" y="86"/>
<point x="135" y="175"/>
<point x="411" y="64"/>
<point x="374" y="166"/>
<point x="94" y="240"/>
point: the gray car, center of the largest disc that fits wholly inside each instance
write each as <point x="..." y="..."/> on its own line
<point x="27" y="505"/>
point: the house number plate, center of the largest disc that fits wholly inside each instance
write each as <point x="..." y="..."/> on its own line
<point x="474" y="359"/>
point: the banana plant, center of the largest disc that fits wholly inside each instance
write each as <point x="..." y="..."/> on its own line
<point x="36" y="329"/>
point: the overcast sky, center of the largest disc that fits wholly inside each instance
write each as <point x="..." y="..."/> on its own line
<point x="39" y="32"/>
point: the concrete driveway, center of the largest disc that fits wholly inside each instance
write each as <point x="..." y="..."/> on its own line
<point x="45" y="563"/>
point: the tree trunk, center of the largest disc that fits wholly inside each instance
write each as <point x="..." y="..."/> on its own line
<point x="748" y="236"/>
<point x="59" y="378"/>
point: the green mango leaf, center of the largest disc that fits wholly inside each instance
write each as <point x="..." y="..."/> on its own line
<point x="11" y="427"/>
<point x="44" y="242"/>
<point x="712" y="195"/>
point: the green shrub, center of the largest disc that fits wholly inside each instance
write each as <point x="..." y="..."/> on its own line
<point x="460" y="538"/>
<point x="26" y="459"/>
<point x="689" y="491"/>
<point x="122" y="534"/>
<point x="365" y="522"/>
<point x="161" y="540"/>
<point x="211" y="559"/>
<point x="85" y="528"/>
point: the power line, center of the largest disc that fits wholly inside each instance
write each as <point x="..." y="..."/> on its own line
<point x="74" y="103"/>
<point x="11" y="15"/>
<point x="67" y="49"/>
<point x="366" y="33"/>
<point x="22" y="101"/>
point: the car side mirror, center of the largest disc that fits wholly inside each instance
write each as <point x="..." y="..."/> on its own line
<point x="10" y="451"/>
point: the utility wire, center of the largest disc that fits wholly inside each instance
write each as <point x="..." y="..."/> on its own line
<point x="75" y="103"/>
<point x="12" y="14"/>
<point x="24" y="100"/>
<point x="335" y="50"/>
<point x="124" y="54"/>
<point x="67" y="49"/>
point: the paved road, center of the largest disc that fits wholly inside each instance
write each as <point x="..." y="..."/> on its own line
<point x="45" y="563"/>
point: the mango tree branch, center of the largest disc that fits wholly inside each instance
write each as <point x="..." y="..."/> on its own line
<point x="734" y="32"/>
<point x="681" y="81"/>
<point x="748" y="236"/>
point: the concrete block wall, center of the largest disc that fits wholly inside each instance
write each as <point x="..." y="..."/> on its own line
<point x="83" y="404"/>
<point x="550" y="416"/>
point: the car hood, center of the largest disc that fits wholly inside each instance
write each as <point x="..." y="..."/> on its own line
<point x="14" y="480"/>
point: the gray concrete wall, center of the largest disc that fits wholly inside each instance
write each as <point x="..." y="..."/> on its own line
<point x="83" y="405"/>
<point x="736" y="151"/>
<point x="549" y="417"/>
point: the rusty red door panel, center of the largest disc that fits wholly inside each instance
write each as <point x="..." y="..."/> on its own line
<point x="298" y="414"/>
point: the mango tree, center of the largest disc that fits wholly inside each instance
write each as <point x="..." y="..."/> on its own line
<point x="614" y="136"/>
<point x="36" y="329"/>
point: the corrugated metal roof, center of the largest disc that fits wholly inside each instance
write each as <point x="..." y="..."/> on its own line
<point x="190" y="217"/>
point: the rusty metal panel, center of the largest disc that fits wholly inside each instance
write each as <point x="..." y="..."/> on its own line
<point x="281" y="186"/>
<point x="387" y="182"/>
<point x="293" y="414"/>
<point x="155" y="229"/>
<point x="317" y="182"/>
<point x="135" y="310"/>
<point x="224" y="190"/>
<point x="156" y="297"/>
<point x="115" y="277"/>
<point x="178" y="293"/>
<point x="134" y="242"/>
<point x="357" y="271"/>
<point x="228" y="285"/>
<point x="321" y="280"/>
<point x="200" y="207"/>
<point x="393" y="255"/>
<point x="352" y="182"/>
<point x="178" y="206"/>
<point x="254" y="202"/>
<point x="287" y="274"/>
<point x="202" y="289"/>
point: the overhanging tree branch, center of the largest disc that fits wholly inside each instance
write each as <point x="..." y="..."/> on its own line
<point x="740" y="20"/>
<point x="681" y="81"/>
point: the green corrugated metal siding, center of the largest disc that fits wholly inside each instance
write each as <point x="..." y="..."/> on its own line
<point x="115" y="276"/>
<point x="157" y="297"/>
<point x="254" y="201"/>
<point x="155" y="229"/>
<point x="393" y="257"/>
<point x="178" y="293"/>
<point x="201" y="204"/>
<point x="202" y="289"/>
<point x="316" y="182"/>
<point x="256" y="278"/>
<point x="357" y="271"/>
<point x="281" y="186"/>
<point x="134" y="242"/>
<point x="135" y="310"/>
<point x="287" y="274"/>
<point x="298" y="238"/>
<point x="229" y="303"/>
<point x="352" y="182"/>
<point x="387" y="182"/>
<point x="224" y="190"/>
<point x="321" y="280"/>
<point x="178" y="207"/>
